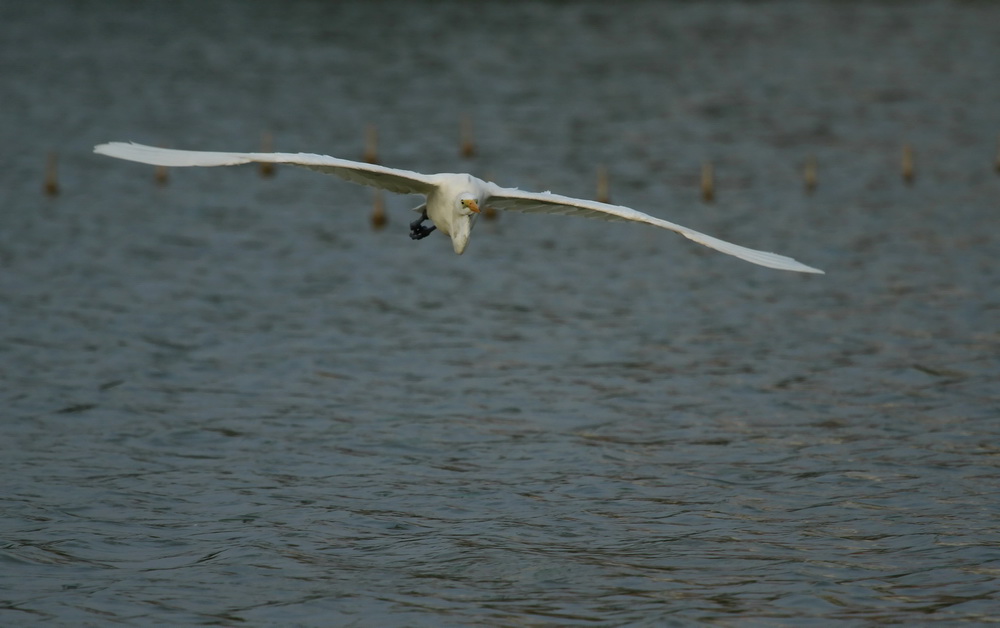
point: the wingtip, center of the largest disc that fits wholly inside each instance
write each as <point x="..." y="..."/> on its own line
<point x="798" y="267"/>
<point x="111" y="148"/>
<point x="802" y="268"/>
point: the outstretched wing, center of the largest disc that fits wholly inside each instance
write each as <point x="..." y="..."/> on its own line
<point x="513" y="199"/>
<point x="392" y="179"/>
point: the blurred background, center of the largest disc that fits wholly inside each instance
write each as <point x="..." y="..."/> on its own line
<point x="229" y="399"/>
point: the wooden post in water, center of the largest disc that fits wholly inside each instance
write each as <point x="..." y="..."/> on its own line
<point x="467" y="146"/>
<point x="51" y="185"/>
<point x="490" y="213"/>
<point x="379" y="218"/>
<point x="266" y="146"/>
<point x="809" y="174"/>
<point x="996" y="164"/>
<point x="161" y="175"/>
<point x="603" y="185"/>
<point x="371" y="144"/>
<point x="707" y="182"/>
<point x="906" y="164"/>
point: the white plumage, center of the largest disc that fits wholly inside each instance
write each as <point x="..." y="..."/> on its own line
<point x="453" y="200"/>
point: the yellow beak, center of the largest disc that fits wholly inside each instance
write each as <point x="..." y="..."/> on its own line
<point x="471" y="204"/>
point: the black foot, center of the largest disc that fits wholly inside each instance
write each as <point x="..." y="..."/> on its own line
<point x="418" y="231"/>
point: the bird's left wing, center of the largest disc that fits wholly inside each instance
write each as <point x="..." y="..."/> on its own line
<point x="392" y="179"/>
<point x="513" y="199"/>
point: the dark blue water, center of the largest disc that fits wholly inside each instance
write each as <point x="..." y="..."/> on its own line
<point x="227" y="400"/>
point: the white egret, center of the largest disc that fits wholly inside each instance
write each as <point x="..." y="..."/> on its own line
<point x="453" y="200"/>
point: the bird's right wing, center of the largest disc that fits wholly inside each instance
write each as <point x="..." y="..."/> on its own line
<point x="392" y="179"/>
<point x="513" y="199"/>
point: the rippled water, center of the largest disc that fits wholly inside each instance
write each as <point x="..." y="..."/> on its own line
<point x="228" y="401"/>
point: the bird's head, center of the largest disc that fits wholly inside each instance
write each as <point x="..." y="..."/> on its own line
<point x="465" y="217"/>
<point x="468" y="205"/>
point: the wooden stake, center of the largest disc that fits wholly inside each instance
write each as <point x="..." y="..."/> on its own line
<point x="379" y="218"/>
<point x="490" y="213"/>
<point x="997" y="163"/>
<point x="468" y="146"/>
<point x="161" y="175"/>
<point x="603" y="185"/>
<point x="906" y="164"/>
<point x="266" y="146"/>
<point x="707" y="182"/>
<point x="51" y="186"/>
<point x="371" y="144"/>
<point x="809" y="174"/>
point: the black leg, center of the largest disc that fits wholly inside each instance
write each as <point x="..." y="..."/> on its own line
<point x="417" y="229"/>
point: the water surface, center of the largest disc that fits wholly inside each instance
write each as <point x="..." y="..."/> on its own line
<point x="226" y="400"/>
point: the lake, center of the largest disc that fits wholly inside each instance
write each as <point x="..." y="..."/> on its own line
<point x="228" y="400"/>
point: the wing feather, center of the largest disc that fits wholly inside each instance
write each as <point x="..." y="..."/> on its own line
<point x="512" y="199"/>
<point x="392" y="179"/>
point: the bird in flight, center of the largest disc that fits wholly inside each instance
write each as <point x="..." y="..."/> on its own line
<point x="453" y="200"/>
